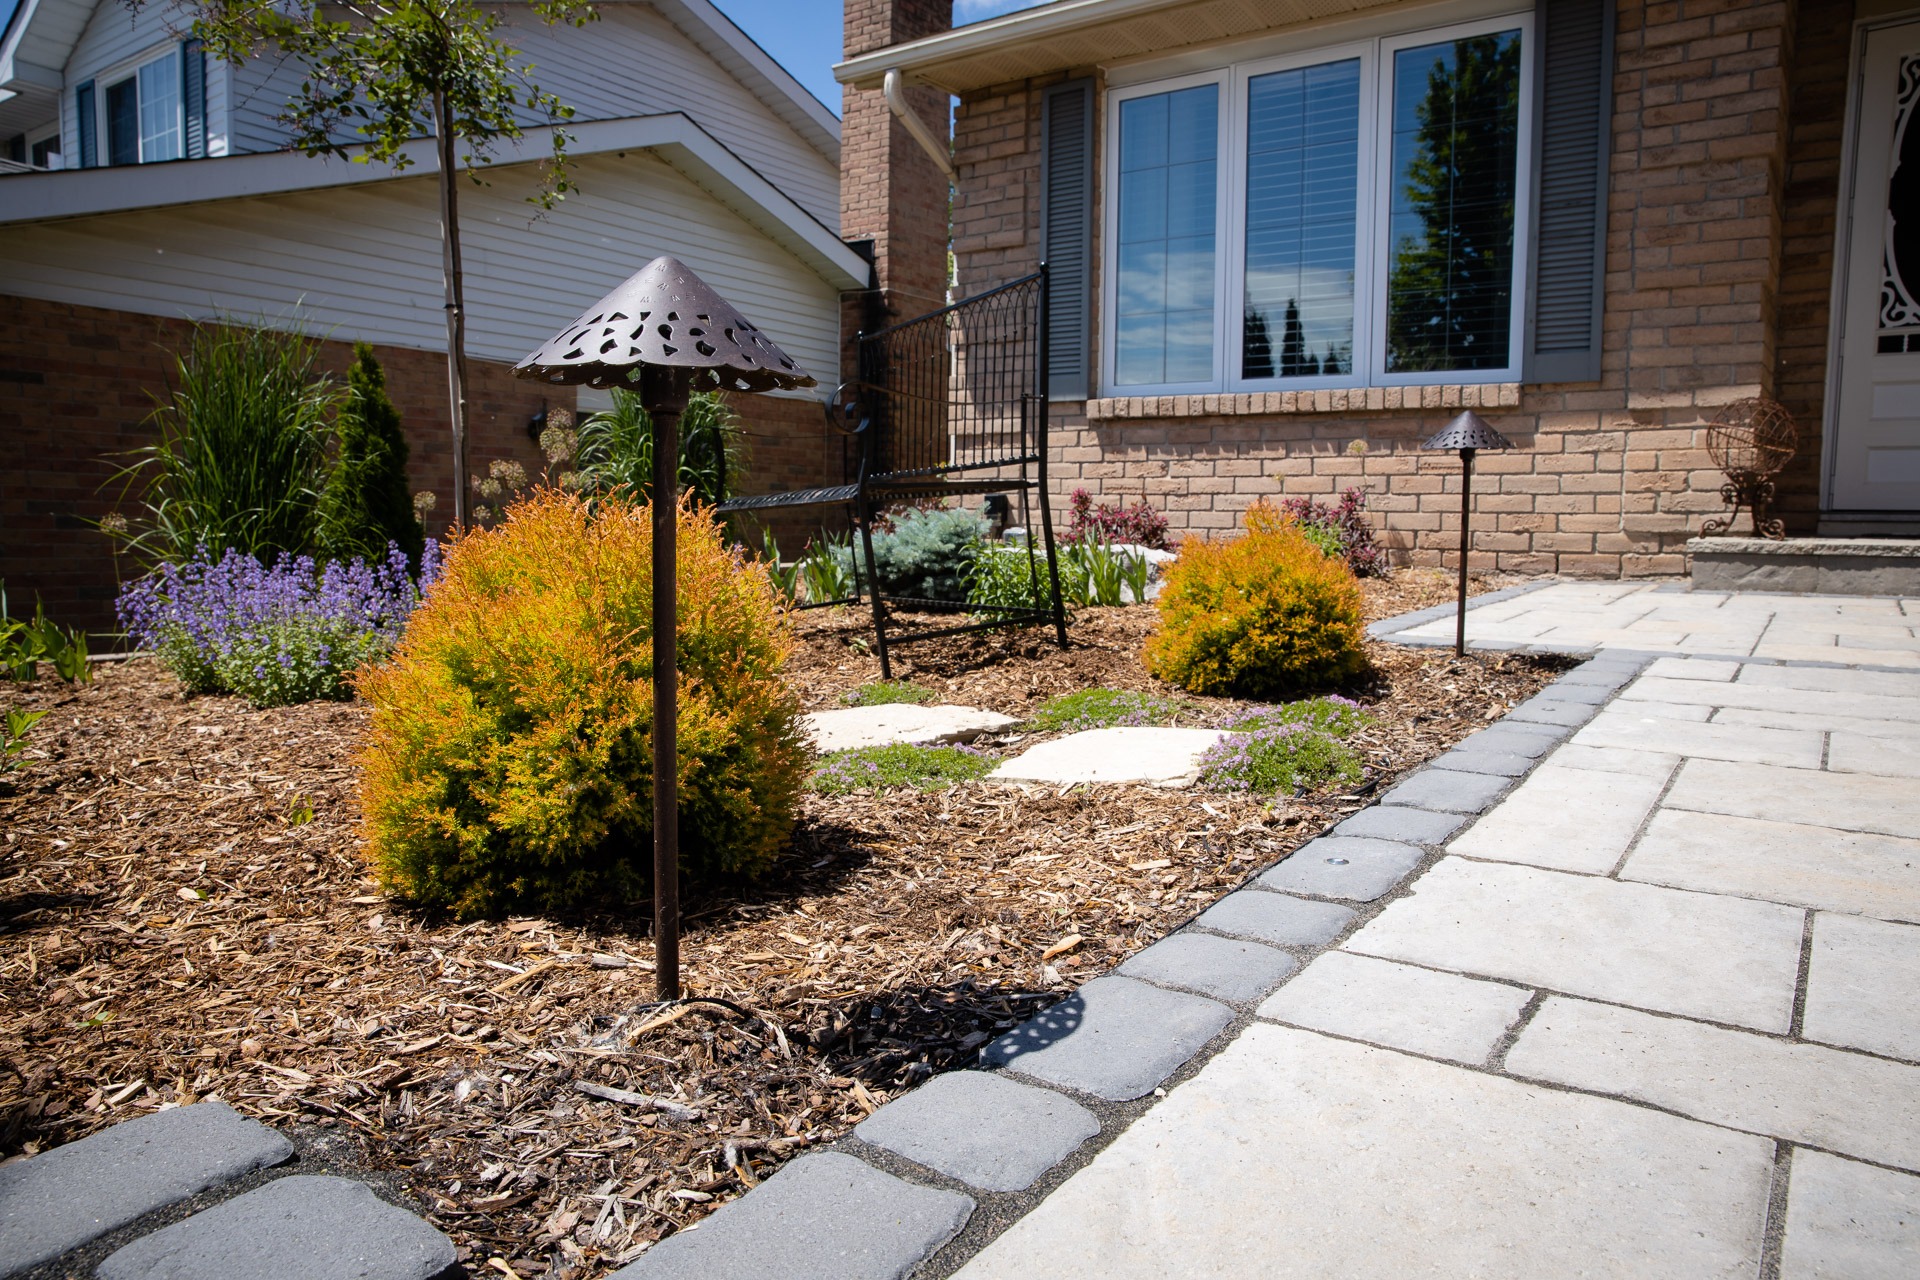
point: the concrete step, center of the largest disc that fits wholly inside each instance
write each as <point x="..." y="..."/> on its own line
<point x="1814" y="566"/>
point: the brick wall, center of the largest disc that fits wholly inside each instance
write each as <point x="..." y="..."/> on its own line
<point x="891" y="191"/>
<point x="1719" y="239"/>
<point x="77" y="385"/>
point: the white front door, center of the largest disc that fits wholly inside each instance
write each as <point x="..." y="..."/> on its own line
<point x="1873" y="460"/>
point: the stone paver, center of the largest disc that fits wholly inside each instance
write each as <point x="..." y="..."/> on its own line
<point x="985" y="1130"/>
<point x="1532" y="741"/>
<point x="1846" y="1219"/>
<point x="1225" y="968"/>
<point x="825" y="1216"/>
<point x="1857" y="964"/>
<point x="1727" y="959"/>
<point x="1349" y="867"/>
<point x="1505" y="763"/>
<point x="1114" y="1038"/>
<point x="1845" y="1102"/>
<point x="1546" y="708"/>
<point x="1645" y="764"/>
<point x="1846" y="801"/>
<point x="1277" y="918"/>
<point x="1295" y="1155"/>
<point x="1874" y="753"/>
<point x="1395" y="822"/>
<point x="1638" y="731"/>
<point x="1784" y="862"/>
<point x="62" y="1198"/>
<point x="1447" y="791"/>
<point x="1401" y="1006"/>
<point x="1569" y="819"/>
<point x="851" y="727"/>
<point x="1164" y="757"/>
<point x="294" y="1228"/>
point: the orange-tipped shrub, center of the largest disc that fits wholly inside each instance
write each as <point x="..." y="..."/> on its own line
<point x="509" y="765"/>
<point x="1264" y="616"/>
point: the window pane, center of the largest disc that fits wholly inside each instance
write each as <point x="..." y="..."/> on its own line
<point x="1165" y="256"/>
<point x="1456" y="124"/>
<point x="123" y="124"/>
<point x="160" y="110"/>
<point x="1303" y="156"/>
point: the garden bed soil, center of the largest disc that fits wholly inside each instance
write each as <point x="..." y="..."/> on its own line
<point x="189" y="915"/>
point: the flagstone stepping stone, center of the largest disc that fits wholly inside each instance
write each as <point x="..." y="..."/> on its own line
<point x="1162" y="757"/>
<point x="899" y="722"/>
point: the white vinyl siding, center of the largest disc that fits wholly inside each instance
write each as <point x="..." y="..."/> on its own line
<point x="631" y="62"/>
<point x="114" y="44"/>
<point x="364" y="262"/>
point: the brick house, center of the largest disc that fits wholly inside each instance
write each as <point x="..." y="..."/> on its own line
<point x="146" y="186"/>
<point x="1289" y="240"/>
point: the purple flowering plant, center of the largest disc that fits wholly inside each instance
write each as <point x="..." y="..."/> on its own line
<point x="1287" y="750"/>
<point x="293" y="631"/>
<point x="1341" y="530"/>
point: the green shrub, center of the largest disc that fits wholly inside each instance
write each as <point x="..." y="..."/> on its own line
<point x="508" y="765"/>
<point x="1005" y="577"/>
<point x="1266" y="615"/>
<point x="885" y="692"/>
<point x="927" y="555"/>
<point x="366" y="504"/>
<point x="900" y="765"/>
<point x="242" y="450"/>
<point x="1104" y="709"/>
<point x="613" y="450"/>
<point x="1092" y="574"/>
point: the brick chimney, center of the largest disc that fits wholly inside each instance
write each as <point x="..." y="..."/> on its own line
<point x="891" y="191"/>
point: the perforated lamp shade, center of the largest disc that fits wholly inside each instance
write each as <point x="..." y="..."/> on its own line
<point x="665" y="334"/>
<point x="1467" y="434"/>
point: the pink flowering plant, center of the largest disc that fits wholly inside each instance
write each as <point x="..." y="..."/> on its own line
<point x="1288" y="750"/>
<point x="1340" y="530"/>
<point x="1138" y="525"/>
<point x="290" y="632"/>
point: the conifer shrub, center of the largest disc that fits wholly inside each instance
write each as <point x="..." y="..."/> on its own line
<point x="1263" y="616"/>
<point x="927" y="554"/>
<point x="366" y="504"/>
<point x="508" y="765"/>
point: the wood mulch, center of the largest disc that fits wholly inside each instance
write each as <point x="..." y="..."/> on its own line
<point x="188" y="915"/>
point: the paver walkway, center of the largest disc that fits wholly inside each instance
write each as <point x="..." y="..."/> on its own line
<point x="1654" y="1014"/>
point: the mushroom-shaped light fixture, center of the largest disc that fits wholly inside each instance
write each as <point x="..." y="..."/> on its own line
<point x="1468" y="434"/>
<point x="664" y="334"/>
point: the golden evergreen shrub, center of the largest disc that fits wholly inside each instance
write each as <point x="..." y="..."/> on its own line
<point x="509" y="763"/>
<point x="1268" y="615"/>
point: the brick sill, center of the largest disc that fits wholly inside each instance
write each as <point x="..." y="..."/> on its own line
<point x="1472" y="395"/>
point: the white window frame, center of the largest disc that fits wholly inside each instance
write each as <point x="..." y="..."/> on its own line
<point x="129" y="69"/>
<point x="1371" y="201"/>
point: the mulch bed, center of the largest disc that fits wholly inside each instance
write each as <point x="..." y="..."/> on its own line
<point x="187" y="914"/>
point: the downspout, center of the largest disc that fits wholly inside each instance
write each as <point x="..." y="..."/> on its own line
<point x="895" y="89"/>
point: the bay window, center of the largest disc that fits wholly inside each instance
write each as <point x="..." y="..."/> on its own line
<point x="1353" y="216"/>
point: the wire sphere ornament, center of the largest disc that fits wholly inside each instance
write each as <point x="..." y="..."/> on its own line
<point x="1751" y="441"/>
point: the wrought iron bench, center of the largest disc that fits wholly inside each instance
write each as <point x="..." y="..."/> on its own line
<point x="947" y="405"/>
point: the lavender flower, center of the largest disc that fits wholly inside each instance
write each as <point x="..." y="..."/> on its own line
<point x="293" y="632"/>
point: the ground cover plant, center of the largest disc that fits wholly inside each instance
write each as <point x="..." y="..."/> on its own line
<point x="1288" y="750"/>
<point x="509" y="764"/>
<point x="1106" y="709"/>
<point x="188" y="913"/>
<point x="882" y="692"/>
<point x="293" y="631"/>
<point x="900" y="765"/>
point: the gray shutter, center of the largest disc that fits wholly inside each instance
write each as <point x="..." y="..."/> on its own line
<point x="193" y="95"/>
<point x="1066" y="233"/>
<point x="1573" y="124"/>
<point x="84" y="125"/>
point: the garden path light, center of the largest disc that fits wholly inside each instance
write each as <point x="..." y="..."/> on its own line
<point x="665" y="334"/>
<point x="1467" y="433"/>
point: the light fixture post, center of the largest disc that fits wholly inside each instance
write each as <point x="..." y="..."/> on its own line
<point x="1468" y="434"/>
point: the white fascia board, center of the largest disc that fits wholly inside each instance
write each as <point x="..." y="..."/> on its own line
<point x="790" y="99"/>
<point x="675" y="138"/>
<point x="41" y="38"/>
<point x="869" y="69"/>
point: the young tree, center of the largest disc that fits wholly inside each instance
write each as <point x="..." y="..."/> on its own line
<point x="381" y="74"/>
<point x="365" y="504"/>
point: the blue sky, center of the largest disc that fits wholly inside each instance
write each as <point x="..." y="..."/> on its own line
<point x="802" y="35"/>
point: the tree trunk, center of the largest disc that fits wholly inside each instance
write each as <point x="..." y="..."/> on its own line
<point x="456" y="310"/>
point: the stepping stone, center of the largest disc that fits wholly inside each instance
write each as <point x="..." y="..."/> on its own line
<point x="1349" y="867"/>
<point x="297" y="1228"/>
<point x="63" y="1198"/>
<point x="898" y="722"/>
<point x="1224" y="968"/>
<point x="825" y="1216"/>
<point x="1113" y="1038"/>
<point x="985" y="1130"/>
<point x="1161" y="757"/>
<point x="1276" y="917"/>
<point x="1441" y="1015"/>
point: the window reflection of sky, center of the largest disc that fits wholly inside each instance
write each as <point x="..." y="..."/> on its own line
<point x="1165" y="252"/>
